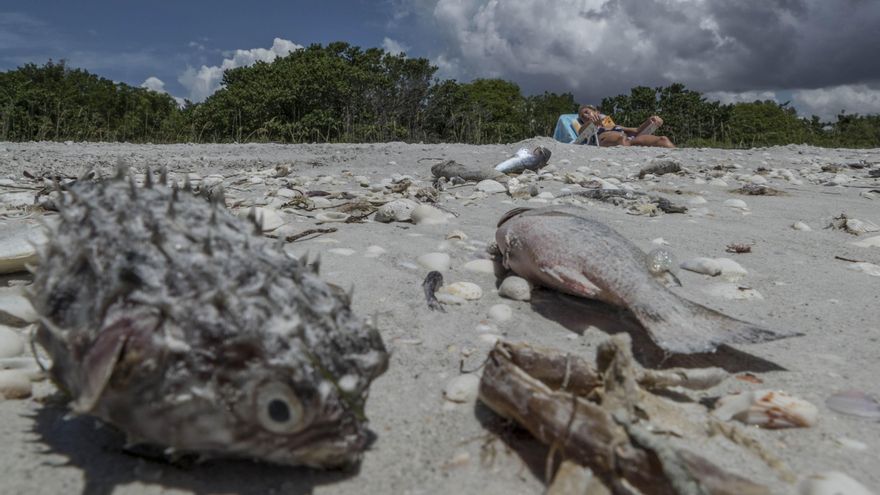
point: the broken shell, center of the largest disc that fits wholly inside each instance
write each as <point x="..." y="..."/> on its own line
<point x="16" y="309"/>
<point x="17" y="246"/>
<point x="801" y="226"/>
<point x="490" y="186"/>
<point x="831" y="483"/>
<point x="332" y="216"/>
<point x="465" y="290"/>
<point x="869" y="268"/>
<point x="737" y="204"/>
<point x="399" y="210"/>
<point x="462" y="388"/>
<point x="500" y="313"/>
<point x="767" y="409"/>
<point x="706" y="266"/>
<point x="14" y="384"/>
<point x="268" y="218"/>
<point x="11" y="344"/>
<point x="857" y="227"/>
<point x="480" y="266"/>
<point x="456" y="234"/>
<point x="515" y="288"/>
<point x="854" y="403"/>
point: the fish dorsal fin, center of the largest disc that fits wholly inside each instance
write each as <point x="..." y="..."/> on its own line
<point x="510" y="214"/>
<point x="99" y="363"/>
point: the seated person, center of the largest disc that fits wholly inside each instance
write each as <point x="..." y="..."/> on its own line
<point x="610" y="134"/>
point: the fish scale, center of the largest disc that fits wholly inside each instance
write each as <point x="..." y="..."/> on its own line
<point x="175" y="321"/>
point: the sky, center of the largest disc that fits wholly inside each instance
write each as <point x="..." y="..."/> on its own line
<point x="821" y="55"/>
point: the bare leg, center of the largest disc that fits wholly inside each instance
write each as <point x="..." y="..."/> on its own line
<point x="612" y="138"/>
<point x="658" y="141"/>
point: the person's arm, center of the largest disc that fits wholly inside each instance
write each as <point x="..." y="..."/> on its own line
<point x="652" y="121"/>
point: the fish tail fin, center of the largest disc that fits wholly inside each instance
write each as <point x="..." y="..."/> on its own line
<point x="687" y="327"/>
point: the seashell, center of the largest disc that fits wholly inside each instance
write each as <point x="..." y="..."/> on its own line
<point x="18" y="246"/>
<point x="428" y="215"/>
<point x="869" y="242"/>
<point x="767" y="409"/>
<point x="854" y="403"/>
<point x="731" y="270"/>
<point x="332" y="216"/>
<point x="717" y="183"/>
<point x="449" y="299"/>
<point x="857" y="227"/>
<point x="706" y="266"/>
<point x="831" y="483"/>
<point x="490" y="186"/>
<point x="268" y="218"/>
<point x="434" y="261"/>
<point x="737" y="204"/>
<point x="14" y="384"/>
<point x="465" y="290"/>
<point x="500" y="313"/>
<point x="27" y="365"/>
<point x="11" y="343"/>
<point x="16" y="309"/>
<point x="462" y="389"/>
<point x="456" y="234"/>
<point x="480" y="266"/>
<point x="518" y="189"/>
<point x="696" y="201"/>
<point x="869" y="268"/>
<point x="801" y="226"/>
<point x="515" y="288"/>
<point x="399" y="210"/>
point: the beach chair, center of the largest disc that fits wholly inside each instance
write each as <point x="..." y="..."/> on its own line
<point x="567" y="129"/>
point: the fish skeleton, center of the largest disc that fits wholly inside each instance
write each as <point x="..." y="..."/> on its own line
<point x="561" y="248"/>
<point x="178" y="323"/>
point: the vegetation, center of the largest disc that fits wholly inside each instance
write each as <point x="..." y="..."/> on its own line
<point x="342" y="93"/>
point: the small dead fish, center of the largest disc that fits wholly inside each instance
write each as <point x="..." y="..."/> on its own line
<point x="525" y="160"/>
<point x="175" y="321"/>
<point x="433" y="281"/>
<point x="562" y="248"/>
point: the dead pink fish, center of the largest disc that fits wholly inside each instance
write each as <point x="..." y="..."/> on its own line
<point x="561" y="248"/>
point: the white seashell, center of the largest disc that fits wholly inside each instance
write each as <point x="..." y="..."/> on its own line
<point x="515" y="288"/>
<point x="428" y="215"/>
<point x="480" y="266"/>
<point x="731" y="270"/>
<point x="17" y="246"/>
<point x="757" y="179"/>
<point x="14" y="384"/>
<point x="500" y="313"/>
<point x="490" y="338"/>
<point x="320" y="202"/>
<point x="15" y="308"/>
<point x="767" y="409"/>
<point x="546" y="195"/>
<point x="457" y="234"/>
<point x="733" y="291"/>
<point x="11" y="344"/>
<point x="831" y="483"/>
<point x="445" y="298"/>
<point x="717" y="183"/>
<point x="399" y="210"/>
<point x="854" y="403"/>
<point x="490" y="186"/>
<point x="341" y="251"/>
<point x="434" y="261"/>
<point x="706" y="266"/>
<point x="737" y="204"/>
<point x="374" y="251"/>
<point x="869" y="268"/>
<point x="465" y="290"/>
<point x="269" y="218"/>
<point x="332" y="216"/>
<point x="660" y="242"/>
<point x="696" y="201"/>
<point x="462" y="389"/>
<point x="856" y="226"/>
<point x="869" y="242"/>
<point x="801" y="226"/>
<point x="27" y="365"/>
<point x="517" y="188"/>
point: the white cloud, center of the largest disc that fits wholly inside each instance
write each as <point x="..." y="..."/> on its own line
<point x="202" y="82"/>
<point x="727" y="97"/>
<point x="394" y="47"/>
<point x="155" y="84"/>
<point x="827" y="103"/>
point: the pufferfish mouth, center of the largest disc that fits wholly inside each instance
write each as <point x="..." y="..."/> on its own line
<point x="324" y="446"/>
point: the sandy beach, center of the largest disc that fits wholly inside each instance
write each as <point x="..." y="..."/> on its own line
<point x="805" y="281"/>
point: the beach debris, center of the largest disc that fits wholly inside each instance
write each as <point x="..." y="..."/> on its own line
<point x="739" y="248"/>
<point x="660" y="167"/>
<point x="399" y="210"/>
<point x="462" y="388"/>
<point x="737" y="204"/>
<point x="15" y="309"/>
<point x="11" y="343"/>
<point x="146" y="307"/>
<point x="500" y="313"/>
<point x="758" y="189"/>
<point x="307" y="233"/>
<point x="432" y="282"/>
<point x="634" y="200"/>
<point x="525" y="160"/>
<point x="854" y="403"/>
<point x="573" y="479"/>
<point x="864" y="267"/>
<point x="456" y="235"/>
<point x="434" y="261"/>
<point x="468" y="291"/>
<point x="14" y="384"/>
<point x="332" y="216"/>
<point x="601" y="417"/>
<point x="453" y="170"/>
<point x="869" y="242"/>
<point x="801" y="226"/>
<point x="18" y="245"/>
<point x="516" y="288"/>
<point x="852" y="226"/>
<point x="562" y="248"/>
<point x="766" y="408"/>
<point x="490" y="186"/>
<point x="662" y="264"/>
<point x="266" y="219"/>
<point x="480" y="266"/>
<point x="832" y="483"/>
<point x="706" y="266"/>
<point x="518" y="189"/>
<point x="429" y="215"/>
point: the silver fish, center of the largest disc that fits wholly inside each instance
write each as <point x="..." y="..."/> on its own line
<point x="525" y="160"/>
<point x="561" y="248"/>
<point x="175" y="321"/>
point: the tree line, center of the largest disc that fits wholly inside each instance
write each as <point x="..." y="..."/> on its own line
<point x="342" y="93"/>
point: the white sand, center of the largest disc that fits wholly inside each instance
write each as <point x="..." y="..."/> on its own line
<point x="427" y="445"/>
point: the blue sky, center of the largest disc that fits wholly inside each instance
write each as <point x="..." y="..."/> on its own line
<point x="816" y="53"/>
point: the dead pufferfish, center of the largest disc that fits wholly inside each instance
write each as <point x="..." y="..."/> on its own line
<point x="173" y="320"/>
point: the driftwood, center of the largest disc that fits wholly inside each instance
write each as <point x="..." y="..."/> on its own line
<point x="593" y="416"/>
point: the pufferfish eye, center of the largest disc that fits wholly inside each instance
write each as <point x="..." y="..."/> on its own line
<point x="278" y="408"/>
